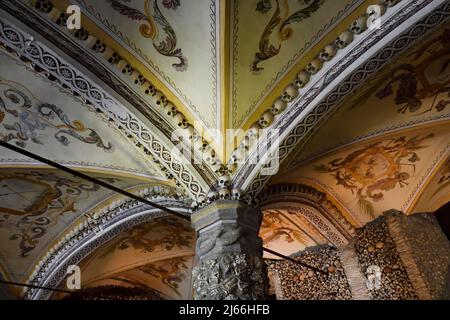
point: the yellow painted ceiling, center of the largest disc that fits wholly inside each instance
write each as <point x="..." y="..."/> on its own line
<point x="221" y="62"/>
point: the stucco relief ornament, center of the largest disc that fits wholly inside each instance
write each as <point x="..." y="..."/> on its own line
<point x="154" y="26"/>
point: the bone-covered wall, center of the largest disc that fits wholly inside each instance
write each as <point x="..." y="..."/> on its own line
<point x="395" y="257"/>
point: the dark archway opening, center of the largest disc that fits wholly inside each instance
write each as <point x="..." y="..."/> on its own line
<point x="443" y="217"/>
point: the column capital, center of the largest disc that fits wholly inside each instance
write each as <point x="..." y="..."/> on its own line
<point x="226" y="227"/>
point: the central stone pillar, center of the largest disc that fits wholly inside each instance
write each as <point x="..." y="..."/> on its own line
<point x="229" y="253"/>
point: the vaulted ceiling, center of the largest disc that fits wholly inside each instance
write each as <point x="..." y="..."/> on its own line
<point x="362" y="117"/>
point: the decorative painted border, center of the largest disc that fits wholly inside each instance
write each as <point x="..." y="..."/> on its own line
<point x="321" y="33"/>
<point x="132" y="128"/>
<point x="88" y="236"/>
<point x="112" y="28"/>
<point x="244" y="178"/>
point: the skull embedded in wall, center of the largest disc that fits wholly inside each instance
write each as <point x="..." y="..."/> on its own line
<point x="253" y="131"/>
<point x="137" y="78"/>
<point x="266" y="119"/>
<point x="99" y="46"/>
<point x="114" y="58"/>
<point x="170" y="110"/>
<point x="148" y="88"/>
<point x="302" y="79"/>
<point x="278" y="106"/>
<point x="81" y="34"/>
<point x="328" y="52"/>
<point x="359" y="25"/>
<point x="217" y="166"/>
<point x="124" y="67"/>
<point x="224" y="194"/>
<point x="237" y="194"/>
<point x="374" y="13"/>
<point x="289" y="93"/>
<point x="224" y="181"/>
<point x="44" y="6"/>
<point x="201" y="200"/>
<point x="245" y="144"/>
<point x="62" y="19"/>
<point x="209" y="156"/>
<point x="314" y="66"/>
<point x="180" y="120"/>
<point x="344" y="39"/>
<point x="213" y="196"/>
<point x="160" y="99"/>
<point x="90" y="41"/>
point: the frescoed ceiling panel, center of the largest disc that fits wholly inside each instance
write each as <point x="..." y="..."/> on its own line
<point x="437" y="191"/>
<point x="38" y="205"/>
<point x="412" y="90"/>
<point x="288" y="232"/>
<point x="38" y="116"/>
<point x="176" y="41"/>
<point x="378" y="174"/>
<point x="269" y="37"/>
<point x="158" y="254"/>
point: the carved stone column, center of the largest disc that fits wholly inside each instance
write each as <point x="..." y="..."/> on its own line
<point x="229" y="253"/>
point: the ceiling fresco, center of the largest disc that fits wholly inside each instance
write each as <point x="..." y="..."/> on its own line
<point x="269" y="38"/>
<point x="158" y="254"/>
<point x="159" y="35"/>
<point x="39" y="117"/>
<point x="38" y="205"/>
<point x="437" y="191"/>
<point x="413" y="90"/>
<point x="378" y="174"/>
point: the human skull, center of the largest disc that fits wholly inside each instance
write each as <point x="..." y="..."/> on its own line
<point x="203" y="145"/>
<point x="328" y="52"/>
<point x="81" y="34"/>
<point x="302" y="79"/>
<point x="253" y="131"/>
<point x="266" y="119"/>
<point x="90" y="41"/>
<point x="245" y="144"/>
<point x="137" y="78"/>
<point x="160" y="99"/>
<point x="224" y="181"/>
<point x="44" y="6"/>
<point x="124" y="67"/>
<point x="180" y="120"/>
<point x="344" y="39"/>
<point x="314" y="66"/>
<point x="209" y="156"/>
<point x="289" y="93"/>
<point x="224" y="194"/>
<point x="278" y="106"/>
<point x="236" y="194"/>
<point x="148" y="88"/>
<point x="201" y="200"/>
<point x="374" y="13"/>
<point x="217" y="166"/>
<point x="62" y="19"/>
<point x="99" y="46"/>
<point x="114" y="58"/>
<point x="213" y="196"/>
<point x="359" y="25"/>
<point x="170" y="110"/>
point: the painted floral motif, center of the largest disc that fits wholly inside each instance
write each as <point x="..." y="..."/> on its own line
<point x="32" y="202"/>
<point x="280" y="21"/>
<point x="414" y="82"/>
<point x="29" y="118"/>
<point x="377" y="168"/>
<point x="170" y="272"/>
<point x="175" y="232"/>
<point x="155" y="24"/>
